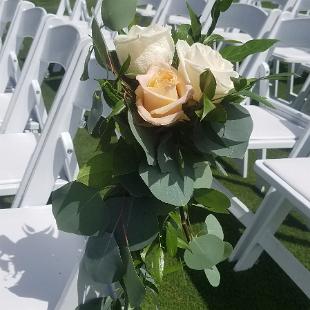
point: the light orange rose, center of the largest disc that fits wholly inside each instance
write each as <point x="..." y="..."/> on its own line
<point x="161" y="95"/>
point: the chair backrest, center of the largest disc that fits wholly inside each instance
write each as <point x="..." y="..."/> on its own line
<point x="179" y="8"/>
<point x="302" y="146"/>
<point x="64" y="6"/>
<point x="56" y="44"/>
<point x="285" y="31"/>
<point x="248" y="18"/>
<point x="54" y="151"/>
<point x="285" y="5"/>
<point x="27" y="22"/>
<point x="301" y="6"/>
<point x="7" y="11"/>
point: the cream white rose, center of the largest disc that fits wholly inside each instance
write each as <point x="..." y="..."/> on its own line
<point x="196" y="59"/>
<point x="147" y="46"/>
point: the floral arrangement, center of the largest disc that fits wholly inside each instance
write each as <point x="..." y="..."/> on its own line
<point x="174" y="110"/>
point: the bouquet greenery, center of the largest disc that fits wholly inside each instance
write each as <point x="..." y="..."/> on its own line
<point x="174" y="110"/>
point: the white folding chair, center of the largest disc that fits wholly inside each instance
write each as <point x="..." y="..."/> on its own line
<point x="284" y="5"/>
<point x="7" y="11"/>
<point x="35" y="224"/>
<point x="151" y="8"/>
<point x="175" y="11"/>
<point x="289" y="181"/>
<point x="58" y="44"/>
<point x="282" y="126"/>
<point x="248" y="22"/>
<point x="27" y="22"/>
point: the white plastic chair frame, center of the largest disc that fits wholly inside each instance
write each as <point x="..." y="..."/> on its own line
<point x="7" y="11"/>
<point x="58" y="42"/>
<point x="26" y="23"/>
<point x="259" y="235"/>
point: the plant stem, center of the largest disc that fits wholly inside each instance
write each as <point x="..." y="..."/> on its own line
<point x="185" y="224"/>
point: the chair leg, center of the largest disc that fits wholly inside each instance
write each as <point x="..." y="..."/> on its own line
<point x="272" y="213"/>
<point x="260" y="220"/>
<point x="260" y="183"/>
<point x="242" y="165"/>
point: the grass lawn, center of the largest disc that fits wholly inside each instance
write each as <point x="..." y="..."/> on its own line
<point x="264" y="287"/>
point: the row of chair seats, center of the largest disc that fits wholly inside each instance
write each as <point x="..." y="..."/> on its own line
<point x="39" y="264"/>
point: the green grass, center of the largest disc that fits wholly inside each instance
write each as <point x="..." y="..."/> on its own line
<point x="264" y="287"/>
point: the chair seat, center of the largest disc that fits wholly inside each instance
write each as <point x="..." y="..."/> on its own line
<point x="5" y="99"/>
<point x="294" y="172"/>
<point x="178" y="20"/>
<point x="291" y="55"/>
<point x="235" y="36"/>
<point x="272" y="127"/>
<point x="36" y="259"/>
<point x="16" y="151"/>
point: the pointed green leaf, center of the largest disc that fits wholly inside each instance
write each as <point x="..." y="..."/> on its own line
<point x="212" y="200"/>
<point x="171" y="239"/>
<point x="196" y="26"/>
<point x="258" y="98"/>
<point x="208" y="84"/>
<point x="100" y="49"/>
<point x="85" y="75"/>
<point x="95" y="112"/>
<point x="208" y="106"/>
<point x="203" y="175"/>
<point x="238" y="53"/>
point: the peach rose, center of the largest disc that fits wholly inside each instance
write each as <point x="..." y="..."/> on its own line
<point x="161" y="95"/>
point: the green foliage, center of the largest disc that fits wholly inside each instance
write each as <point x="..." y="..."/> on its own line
<point x="95" y="112"/>
<point x="219" y="7"/>
<point x="102" y="259"/>
<point x="238" y="53"/>
<point x="204" y="252"/>
<point x="101" y="52"/>
<point x="196" y="27"/>
<point x="212" y="200"/>
<point x="203" y="175"/>
<point x="78" y="209"/>
<point x="171" y="239"/>
<point x="118" y="14"/>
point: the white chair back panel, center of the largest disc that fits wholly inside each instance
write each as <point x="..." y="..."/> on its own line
<point x="247" y="18"/>
<point x="57" y="44"/>
<point x="36" y="259"/>
<point x="26" y="23"/>
<point x="64" y="6"/>
<point x="53" y="151"/>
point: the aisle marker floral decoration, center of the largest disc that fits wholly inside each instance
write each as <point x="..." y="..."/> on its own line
<point x="174" y="112"/>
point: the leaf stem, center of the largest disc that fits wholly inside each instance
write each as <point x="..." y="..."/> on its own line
<point x="185" y="226"/>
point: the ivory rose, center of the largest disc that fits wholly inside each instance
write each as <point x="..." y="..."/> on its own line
<point x="146" y="46"/>
<point x="195" y="59"/>
<point x="160" y="96"/>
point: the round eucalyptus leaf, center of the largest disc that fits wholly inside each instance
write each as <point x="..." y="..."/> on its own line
<point x="118" y="14"/>
<point x="204" y="252"/>
<point x="213" y="276"/>
<point x="102" y="259"/>
<point x="214" y="227"/>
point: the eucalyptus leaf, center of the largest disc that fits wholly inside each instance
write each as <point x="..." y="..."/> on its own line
<point x="213" y="276"/>
<point x="212" y="200"/>
<point x="235" y="53"/>
<point x="125" y="160"/>
<point x="118" y="14"/>
<point x="173" y="188"/>
<point x="214" y="227"/>
<point x="93" y="304"/>
<point x="227" y="250"/>
<point x="203" y="175"/>
<point x="145" y="137"/>
<point x="204" y="252"/>
<point x="134" y="185"/>
<point x="78" y="209"/>
<point x="102" y="259"/>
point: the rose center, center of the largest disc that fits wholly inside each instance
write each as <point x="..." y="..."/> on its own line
<point x="163" y="78"/>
